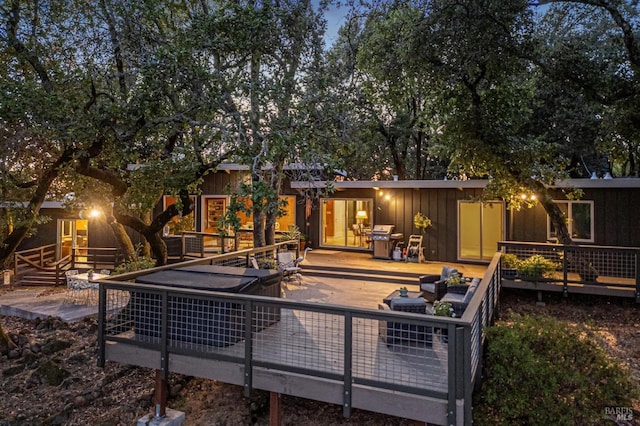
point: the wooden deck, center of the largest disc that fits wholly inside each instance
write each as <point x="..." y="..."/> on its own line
<point x="303" y="355"/>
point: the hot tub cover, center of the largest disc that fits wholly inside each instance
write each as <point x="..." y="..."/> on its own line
<point x="210" y="277"/>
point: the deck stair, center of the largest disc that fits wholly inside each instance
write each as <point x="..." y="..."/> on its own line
<point x="392" y="277"/>
<point x="37" y="277"/>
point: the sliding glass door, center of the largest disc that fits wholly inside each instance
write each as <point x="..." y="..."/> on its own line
<point x="346" y="223"/>
<point x="480" y="227"/>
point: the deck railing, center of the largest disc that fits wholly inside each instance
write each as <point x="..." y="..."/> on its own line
<point x="97" y="257"/>
<point x="598" y="270"/>
<point x="43" y="258"/>
<point x="414" y="366"/>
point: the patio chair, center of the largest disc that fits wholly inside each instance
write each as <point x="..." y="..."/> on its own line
<point x="289" y="266"/>
<point x="434" y="286"/>
<point x="76" y="290"/>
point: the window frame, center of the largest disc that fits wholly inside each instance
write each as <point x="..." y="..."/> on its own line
<point x="551" y="236"/>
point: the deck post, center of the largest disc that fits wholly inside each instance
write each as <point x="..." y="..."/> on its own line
<point x="275" y="409"/>
<point x="160" y="394"/>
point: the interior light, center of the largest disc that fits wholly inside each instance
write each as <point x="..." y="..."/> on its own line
<point x="94" y="213"/>
<point x="387" y="197"/>
<point x="533" y="197"/>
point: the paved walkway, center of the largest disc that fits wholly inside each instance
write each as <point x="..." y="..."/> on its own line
<point x="334" y="277"/>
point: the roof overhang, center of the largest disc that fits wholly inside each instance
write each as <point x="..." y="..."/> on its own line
<point x="459" y="184"/>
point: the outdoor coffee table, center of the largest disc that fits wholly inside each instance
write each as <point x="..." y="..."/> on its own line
<point x="410" y="294"/>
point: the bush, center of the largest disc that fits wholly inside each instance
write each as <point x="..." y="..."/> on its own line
<point x="509" y="261"/>
<point x="536" y="267"/>
<point x="539" y="371"/>
<point x="137" y="264"/>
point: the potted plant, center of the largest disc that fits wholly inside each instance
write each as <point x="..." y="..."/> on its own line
<point x="292" y="233"/>
<point x="303" y="239"/>
<point x="453" y="279"/>
<point x="535" y="268"/>
<point x="421" y="222"/>
<point x="443" y="309"/>
<point x="404" y="292"/>
<point x="509" y="265"/>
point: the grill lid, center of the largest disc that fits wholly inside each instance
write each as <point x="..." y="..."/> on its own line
<point x="382" y="229"/>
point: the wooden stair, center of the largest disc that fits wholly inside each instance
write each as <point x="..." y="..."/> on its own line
<point x="37" y="277"/>
<point x="395" y="277"/>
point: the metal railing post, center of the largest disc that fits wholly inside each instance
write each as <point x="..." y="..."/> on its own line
<point x="248" y="347"/>
<point x="102" y="309"/>
<point x="348" y="364"/>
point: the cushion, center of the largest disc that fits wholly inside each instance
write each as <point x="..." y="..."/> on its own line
<point x="471" y="290"/>
<point x="446" y="272"/>
<point x="430" y="287"/>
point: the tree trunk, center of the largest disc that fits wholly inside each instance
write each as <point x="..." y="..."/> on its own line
<point x="124" y="241"/>
<point x="158" y="247"/>
<point x="13" y="240"/>
<point x="259" y="229"/>
<point x="584" y="267"/>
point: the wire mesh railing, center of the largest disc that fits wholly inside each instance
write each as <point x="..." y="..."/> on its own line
<point x="591" y="266"/>
<point x="411" y="353"/>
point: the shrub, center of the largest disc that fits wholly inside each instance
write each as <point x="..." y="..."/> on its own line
<point x="137" y="264"/>
<point x="509" y="261"/>
<point x="536" y="267"/>
<point x="539" y="371"/>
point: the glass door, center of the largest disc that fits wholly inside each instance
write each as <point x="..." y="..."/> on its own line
<point x="73" y="234"/>
<point x="480" y="227"/>
<point x="346" y="223"/>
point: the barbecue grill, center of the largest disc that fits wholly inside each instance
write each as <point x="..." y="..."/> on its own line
<point x="384" y="241"/>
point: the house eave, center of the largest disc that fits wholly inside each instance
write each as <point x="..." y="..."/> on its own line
<point x="459" y="184"/>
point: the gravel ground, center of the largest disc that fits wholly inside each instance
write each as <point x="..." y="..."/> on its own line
<point x="51" y="378"/>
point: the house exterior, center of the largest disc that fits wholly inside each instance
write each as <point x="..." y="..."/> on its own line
<point x="467" y="231"/>
<point x="462" y="230"/>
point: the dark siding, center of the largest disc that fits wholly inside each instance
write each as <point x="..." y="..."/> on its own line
<point x="615" y="216"/>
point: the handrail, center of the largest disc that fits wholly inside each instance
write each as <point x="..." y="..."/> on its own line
<point x="590" y="266"/>
<point x="40" y="248"/>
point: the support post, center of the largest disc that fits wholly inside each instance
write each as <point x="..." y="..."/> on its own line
<point x="160" y="395"/>
<point x="275" y="409"/>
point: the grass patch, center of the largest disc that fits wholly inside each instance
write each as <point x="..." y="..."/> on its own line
<point x="539" y="371"/>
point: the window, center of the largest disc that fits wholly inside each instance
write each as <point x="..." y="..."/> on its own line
<point x="579" y="217"/>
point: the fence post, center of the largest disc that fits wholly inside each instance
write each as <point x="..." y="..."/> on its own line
<point x="565" y="272"/>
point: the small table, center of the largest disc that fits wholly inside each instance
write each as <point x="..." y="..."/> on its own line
<point x="87" y="289"/>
